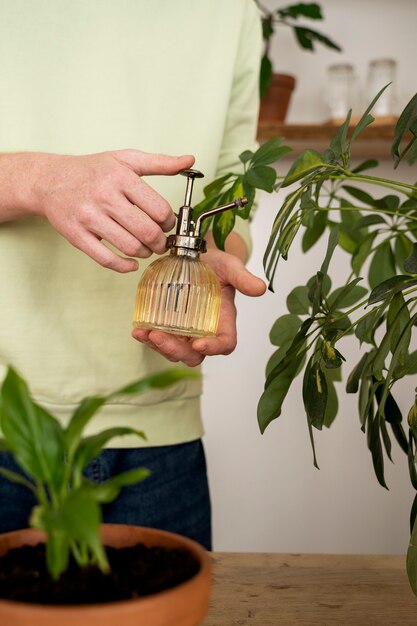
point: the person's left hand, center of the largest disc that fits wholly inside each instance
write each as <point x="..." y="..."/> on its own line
<point x="232" y="275"/>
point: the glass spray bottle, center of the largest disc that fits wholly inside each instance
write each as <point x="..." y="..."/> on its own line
<point x="179" y="293"/>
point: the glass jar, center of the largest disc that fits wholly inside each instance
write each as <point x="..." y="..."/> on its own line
<point x="381" y="72"/>
<point x="341" y="90"/>
<point x="178" y="294"/>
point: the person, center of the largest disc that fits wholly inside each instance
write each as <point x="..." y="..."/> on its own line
<point x="83" y="82"/>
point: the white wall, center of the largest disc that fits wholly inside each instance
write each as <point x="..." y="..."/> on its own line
<point x="365" y="30"/>
<point x="266" y="493"/>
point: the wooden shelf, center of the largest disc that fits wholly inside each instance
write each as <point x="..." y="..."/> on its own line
<point x="374" y="142"/>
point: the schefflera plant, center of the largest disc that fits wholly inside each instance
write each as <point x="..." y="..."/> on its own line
<point x="53" y="459"/>
<point x="258" y="173"/>
<point x="376" y="302"/>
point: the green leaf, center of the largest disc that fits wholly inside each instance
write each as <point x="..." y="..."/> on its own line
<point x="374" y="444"/>
<point x="315" y="395"/>
<point x="311" y="10"/>
<point x="270" y="403"/>
<point x="17" y="478"/>
<point x="399" y="434"/>
<point x="250" y="193"/>
<point x="389" y="202"/>
<point x="278" y="357"/>
<point x="298" y="302"/>
<point x="159" y="380"/>
<point x="270" y="152"/>
<point x="90" y="447"/>
<point x="215" y="187"/>
<point x="352" y="384"/>
<point x="337" y="144"/>
<point x="4" y="445"/>
<point x="366" y="397"/>
<point x="35" y="437"/>
<point x="314" y="231"/>
<point x="245" y="156"/>
<point x="413" y="513"/>
<point x="412" y="559"/>
<point x="331" y="356"/>
<point x="109" y="490"/>
<point x="316" y="287"/>
<point x="385" y="345"/>
<point x="411" y="459"/>
<point x="223" y="225"/>
<point x="288" y="235"/>
<point x="332" y="406"/>
<point x="308" y="161"/>
<point x="333" y="325"/>
<point x="87" y="408"/>
<point x="296" y="348"/>
<point x="361" y="253"/>
<point x="399" y="317"/>
<point x="390" y="287"/>
<point x="365" y="329"/>
<point x="307" y="37"/>
<point x="271" y="254"/>
<point x="267" y="27"/>
<point x="366" y="119"/>
<point x="57" y="552"/>
<point x="370" y="220"/>
<point x="407" y="122"/>
<point x="410" y="264"/>
<point x="265" y="76"/>
<point x="409" y="367"/>
<point x="382" y="265"/>
<point x="331" y="246"/>
<point x="392" y="410"/>
<point x="359" y="194"/>
<point x="261" y="177"/>
<point x="403" y="250"/>
<point x="347" y="296"/>
<point x="77" y="520"/>
<point x="284" y="329"/>
<point x="365" y="165"/>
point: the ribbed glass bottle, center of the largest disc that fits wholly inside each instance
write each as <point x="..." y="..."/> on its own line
<point x="178" y="294"/>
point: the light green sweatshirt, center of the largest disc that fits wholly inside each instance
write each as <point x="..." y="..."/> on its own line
<point x="84" y="76"/>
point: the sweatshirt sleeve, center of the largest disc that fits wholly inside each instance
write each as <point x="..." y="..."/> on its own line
<point x="242" y="118"/>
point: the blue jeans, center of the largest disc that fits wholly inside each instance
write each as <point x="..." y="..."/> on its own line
<point x="175" y="497"/>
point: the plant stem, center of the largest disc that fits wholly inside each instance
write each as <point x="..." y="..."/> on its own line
<point x="376" y="180"/>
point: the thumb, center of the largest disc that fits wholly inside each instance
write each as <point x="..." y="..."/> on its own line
<point x="249" y="284"/>
<point x="149" y="163"/>
<point x="243" y="280"/>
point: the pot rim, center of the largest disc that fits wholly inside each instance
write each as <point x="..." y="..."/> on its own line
<point x="137" y="534"/>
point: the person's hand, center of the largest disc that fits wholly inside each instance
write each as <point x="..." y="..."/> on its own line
<point x="97" y="198"/>
<point x="232" y="276"/>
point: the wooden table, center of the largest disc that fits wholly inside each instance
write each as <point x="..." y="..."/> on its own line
<point x="256" y="589"/>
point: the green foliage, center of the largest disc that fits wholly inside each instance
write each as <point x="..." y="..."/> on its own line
<point x="376" y="301"/>
<point x="54" y="458"/>
<point x="306" y="37"/>
<point x="258" y="174"/>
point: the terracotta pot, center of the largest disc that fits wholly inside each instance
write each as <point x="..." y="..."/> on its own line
<point x="184" y="605"/>
<point x="275" y="103"/>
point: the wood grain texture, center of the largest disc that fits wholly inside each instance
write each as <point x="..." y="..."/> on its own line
<point x="374" y="142"/>
<point x="256" y="589"/>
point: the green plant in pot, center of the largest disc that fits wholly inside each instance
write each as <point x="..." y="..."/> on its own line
<point x="276" y="89"/>
<point x="68" y="520"/>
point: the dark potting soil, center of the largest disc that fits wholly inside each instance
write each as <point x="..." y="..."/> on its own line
<point x="134" y="572"/>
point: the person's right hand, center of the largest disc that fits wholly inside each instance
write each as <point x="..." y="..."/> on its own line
<point x="101" y="197"/>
